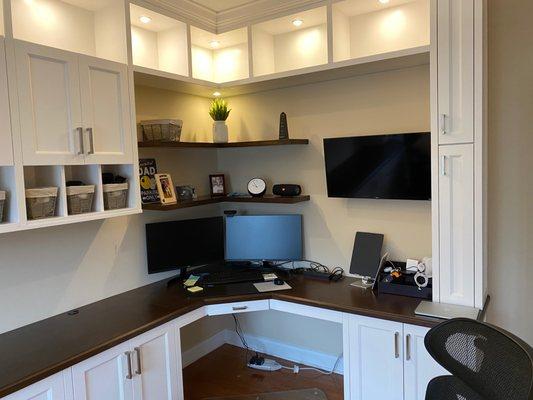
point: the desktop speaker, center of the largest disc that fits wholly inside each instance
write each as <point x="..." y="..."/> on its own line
<point x="287" y="190"/>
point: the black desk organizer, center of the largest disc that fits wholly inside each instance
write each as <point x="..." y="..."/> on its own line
<point x="405" y="285"/>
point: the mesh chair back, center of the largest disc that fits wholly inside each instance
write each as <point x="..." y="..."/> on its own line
<point x="491" y="361"/>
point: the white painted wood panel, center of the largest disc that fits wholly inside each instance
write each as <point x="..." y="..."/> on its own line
<point x="419" y="366"/>
<point x="307" y="311"/>
<point x="104" y="376"/>
<point x="155" y="362"/>
<point x="376" y="359"/>
<point x="456" y="71"/>
<point x="51" y="388"/>
<point x="6" y="144"/>
<point x="106" y="111"/>
<point x="456" y="224"/>
<point x="49" y="102"/>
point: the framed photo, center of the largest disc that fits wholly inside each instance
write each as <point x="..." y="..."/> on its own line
<point x="217" y="185"/>
<point x="185" y="192"/>
<point x="165" y="188"/>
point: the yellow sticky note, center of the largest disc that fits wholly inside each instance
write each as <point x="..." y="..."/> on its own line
<point x="195" y="289"/>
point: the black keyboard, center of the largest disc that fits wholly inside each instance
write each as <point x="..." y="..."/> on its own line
<point x="225" y="277"/>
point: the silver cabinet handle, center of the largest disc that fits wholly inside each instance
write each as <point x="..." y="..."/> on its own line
<point x="396" y="349"/>
<point x="408" y="347"/>
<point x="91" y="140"/>
<point x="241" y="308"/>
<point x="128" y="360"/>
<point x="442" y="122"/>
<point x="443" y="165"/>
<point x="81" y="151"/>
<point x="137" y="350"/>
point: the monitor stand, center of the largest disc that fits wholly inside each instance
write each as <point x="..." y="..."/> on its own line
<point x="364" y="282"/>
<point x="180" y="277"/>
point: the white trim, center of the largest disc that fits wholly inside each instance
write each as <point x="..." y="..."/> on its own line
<point x="203" y="348"/>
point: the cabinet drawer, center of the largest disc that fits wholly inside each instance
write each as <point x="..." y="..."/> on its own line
<point x="238" y="307"/>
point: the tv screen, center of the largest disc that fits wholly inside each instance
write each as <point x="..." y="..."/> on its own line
<point x="379" y="167"/>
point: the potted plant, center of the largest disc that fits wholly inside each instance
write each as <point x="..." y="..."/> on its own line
<point x="219" y="112"/>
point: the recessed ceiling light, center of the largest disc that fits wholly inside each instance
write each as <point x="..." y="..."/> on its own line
<point x="297" y="22"/>
<point x="384" y="1"/>
<point x="216" y="94"/>
<point x="214" y="43"/>
<point x="144" y="19"/>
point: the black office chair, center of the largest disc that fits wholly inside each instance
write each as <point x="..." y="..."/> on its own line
<point x="487" y="363"/>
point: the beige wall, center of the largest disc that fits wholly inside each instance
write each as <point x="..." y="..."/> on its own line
<point x="510" y="198"/>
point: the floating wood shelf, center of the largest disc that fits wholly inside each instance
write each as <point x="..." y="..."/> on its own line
<point x="256" y="143"/>
<point x="201" y="201"/>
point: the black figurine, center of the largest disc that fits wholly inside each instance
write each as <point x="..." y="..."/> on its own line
<point x="283" y="127"/>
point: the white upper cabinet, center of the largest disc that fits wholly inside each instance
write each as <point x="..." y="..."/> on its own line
<point x="363" y="28"/>
<point x="49" y="102"/>
<point x="6" y="145"/>
<point x="456" y="224"/>
<point x="419" y="366"/>
<point x="289" y="43"/>
<point x="220" y="58"/>
<point x="95" y="28"/>
<point x="158" y="42"/>
<point x="107" y="136"/>
<point x="455" y="59"/>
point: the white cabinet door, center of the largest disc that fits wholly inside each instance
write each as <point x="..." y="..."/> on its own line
<point x="51" y="388"/>
<point x="50" y="108"/>
<point x="419" y="366"/>
<point x="155" y="365"/>
<point x="106" y="111"/>
<point x="106" y="376"/>
<point x="456" y="224"/>
<point x="376" y="359"/>
<point x="455" y="56"/>
<point x="6" y="145"/>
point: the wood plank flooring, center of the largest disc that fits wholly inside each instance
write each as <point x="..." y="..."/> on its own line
<point x="223" y="372"/>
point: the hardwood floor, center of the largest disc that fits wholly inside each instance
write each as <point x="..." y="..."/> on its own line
<point x="224" y="373"/>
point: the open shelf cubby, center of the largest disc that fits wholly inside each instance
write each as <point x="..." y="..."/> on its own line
<point x="48" y="176"/>
<point x="7" y="185"/>
<point x="158" y="42"/>
<point x="88" y="175"/>
<point x="255" y="143"/>
<point x="94" y="28"/>
<point x="129" y="172"/>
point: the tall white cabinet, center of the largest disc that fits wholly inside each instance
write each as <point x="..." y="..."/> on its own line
<point x="6" y="148"/>
<point x="459" y="151"/>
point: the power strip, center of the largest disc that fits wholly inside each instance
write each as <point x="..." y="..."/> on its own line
<point x="266" y="365"/>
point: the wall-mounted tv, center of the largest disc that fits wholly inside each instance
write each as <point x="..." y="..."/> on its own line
<point x="379" y="167"/>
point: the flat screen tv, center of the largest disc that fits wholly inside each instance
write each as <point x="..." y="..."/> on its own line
<point x="379" y="167"/>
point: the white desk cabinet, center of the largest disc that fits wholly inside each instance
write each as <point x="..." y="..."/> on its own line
<point x="51" y="388"/>
<point x="455" y="53"/>
<point x="6" y="145"/>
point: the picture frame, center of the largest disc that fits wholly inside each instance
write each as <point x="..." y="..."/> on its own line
<point x="217" y="184"/>
<point x="186" y="193"/>
<point x="165" y="188"/>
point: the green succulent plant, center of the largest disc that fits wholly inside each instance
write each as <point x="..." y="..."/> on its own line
<point x="219" y="110"/>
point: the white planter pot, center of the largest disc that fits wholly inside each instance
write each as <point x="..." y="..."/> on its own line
<point x="220" y="132"/>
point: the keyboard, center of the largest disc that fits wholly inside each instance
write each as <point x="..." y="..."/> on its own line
<point x="226" y="277"/>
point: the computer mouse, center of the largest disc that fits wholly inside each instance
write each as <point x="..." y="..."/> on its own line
<point x="278" y="281"/>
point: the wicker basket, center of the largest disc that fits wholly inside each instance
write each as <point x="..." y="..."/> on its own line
<point x="115" y="196"/>
<point x="2" y="203"/>
<point x="162" y="130"/>
<point x="41" y="202"/>
<point x="80" y="199"/>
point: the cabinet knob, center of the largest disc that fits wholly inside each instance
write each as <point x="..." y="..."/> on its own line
<point x="240" y="308"/>
<point x="396" y="347"/>
<point x="408" y="347"/>
<point x="137" y="351"/>
<point x="81" y="150"/>
<point x="443" y="129"/>
<point x="129" y="375"/>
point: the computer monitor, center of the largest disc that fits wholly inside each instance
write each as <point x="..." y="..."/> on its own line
<point x="181" y="244"/>
<point x="264" y="238"/>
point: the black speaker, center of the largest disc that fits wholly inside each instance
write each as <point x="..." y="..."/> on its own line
<point x="287" y="190"/>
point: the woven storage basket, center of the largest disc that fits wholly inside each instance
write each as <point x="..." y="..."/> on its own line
<point x="162" y="130"/>
<point x="41" y="202"/>
<point x="80" y="199"/>
<point x="2" y="203"/>
<point x="115" y="196"/>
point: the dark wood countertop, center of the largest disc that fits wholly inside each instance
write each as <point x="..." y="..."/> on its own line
<point x="36" y="351"/>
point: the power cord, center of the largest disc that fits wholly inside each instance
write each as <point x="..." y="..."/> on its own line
<point x="335" y="274"/>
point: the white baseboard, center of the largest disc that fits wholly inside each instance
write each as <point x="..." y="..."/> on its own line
<point x="295" y="354"/>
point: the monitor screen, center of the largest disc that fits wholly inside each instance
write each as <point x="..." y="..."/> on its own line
<point x="180" y="244"/>
<point x="264" y="237"/>
<point x="379" y="167"/>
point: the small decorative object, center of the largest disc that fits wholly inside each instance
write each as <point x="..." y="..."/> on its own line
<point x="185" y="192"/>
<point x="219" y="112"/>
<point x="257" y="187"/>
<point x="162" y="130"/>
<point x="165" y="189"/>
<point x="147" y="171"/>
<point x="283" y="127"/>
<point x="287" y="190"/>
<point x="218" y="185"/>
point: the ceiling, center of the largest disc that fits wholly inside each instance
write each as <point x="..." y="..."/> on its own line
<point x="222" y="5"/>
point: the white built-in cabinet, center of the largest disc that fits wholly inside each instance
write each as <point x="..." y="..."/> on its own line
<point x="55" y="387"/>
<point x="6" y="147"/>
<point x="459" y="151"/>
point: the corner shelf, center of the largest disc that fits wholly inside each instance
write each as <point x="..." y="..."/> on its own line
<point x="201" y="201"/>
<point x="257" y="143"/>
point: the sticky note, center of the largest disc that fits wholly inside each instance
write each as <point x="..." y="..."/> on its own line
<point x="195" y="289"/>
